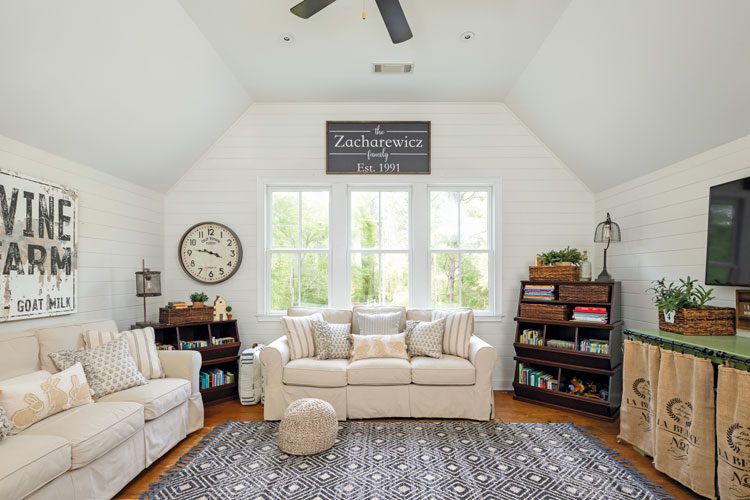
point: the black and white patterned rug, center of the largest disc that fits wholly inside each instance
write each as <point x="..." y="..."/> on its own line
<point x="406" y="460"/>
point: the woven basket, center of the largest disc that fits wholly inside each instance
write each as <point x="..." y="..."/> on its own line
<point x="187" y="315"/>
<point x="708" y="321"/>
<point x="584" y="293"/>
<point x="544" y="311"/>
<point x="554" y="273"/>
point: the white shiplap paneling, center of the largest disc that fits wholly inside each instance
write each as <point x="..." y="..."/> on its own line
<point x="664" y="221"/>
<point x="119" y="223"/>
<point x="544" y="205"/>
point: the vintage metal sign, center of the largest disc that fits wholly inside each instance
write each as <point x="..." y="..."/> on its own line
<point x="38" y="247"/>
<point x="377" y="148"/>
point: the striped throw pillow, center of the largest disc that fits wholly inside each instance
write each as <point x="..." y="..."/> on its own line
<point x="142" y="346"/>
<point x="300" y="334"/>
<point x="459" y="327"/>
<point x="379" y="324"/>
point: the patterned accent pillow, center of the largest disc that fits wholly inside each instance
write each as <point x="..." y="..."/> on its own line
<point x="425" y="338"/>
<point x="4" y="424"/>
<point x="379" y="346"/>
<point x="379" y="324"/>
<point x="299" y="334"/>
<point x="331" y="339"/>
<point x="142" y="345"/>
<point x="36" y="396"/>
<point x="459" y="327"/>
<point x="109" y="368"/>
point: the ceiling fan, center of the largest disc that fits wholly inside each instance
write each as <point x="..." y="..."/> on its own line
<point x="390" y="10"/>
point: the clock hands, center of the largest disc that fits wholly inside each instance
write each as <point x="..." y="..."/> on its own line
<point x="208" y="252"/>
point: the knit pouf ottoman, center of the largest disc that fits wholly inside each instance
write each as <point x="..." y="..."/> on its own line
<point x="308" y="426"/>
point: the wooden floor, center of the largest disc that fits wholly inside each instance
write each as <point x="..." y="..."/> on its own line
<point x="506" y="408"/>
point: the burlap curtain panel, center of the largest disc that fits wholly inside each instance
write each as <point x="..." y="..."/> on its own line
<point x="733" y="433"/>
<point x="640" y="381"/>
<point x="685" y="421"/>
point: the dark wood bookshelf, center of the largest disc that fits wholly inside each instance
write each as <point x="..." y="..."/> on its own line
<point x="223" y="356"/>
<point x="604" y="370"/>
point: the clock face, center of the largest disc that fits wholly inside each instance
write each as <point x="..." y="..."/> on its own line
<point x="210" y="252"/>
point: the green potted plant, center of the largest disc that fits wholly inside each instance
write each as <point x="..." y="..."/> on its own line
<point x="683" y="308"/>
<point x="229" y="312"/>
<point x="557" y="265"/>
<point x="198" y="299"/>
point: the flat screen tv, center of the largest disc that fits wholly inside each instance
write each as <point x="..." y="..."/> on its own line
<point x="728" y="252"/>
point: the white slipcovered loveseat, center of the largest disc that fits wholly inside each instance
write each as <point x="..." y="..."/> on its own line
<point x="421" y="387"/>
<point x="93" y="451"/>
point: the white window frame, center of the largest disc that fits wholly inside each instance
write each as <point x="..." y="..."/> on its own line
<point x="339" y="237"/>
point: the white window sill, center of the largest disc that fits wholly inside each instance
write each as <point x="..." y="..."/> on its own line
<point x="479" y="318"/>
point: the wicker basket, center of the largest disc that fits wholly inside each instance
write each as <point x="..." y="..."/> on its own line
<point x="708" y="321"/>
<point x="186" y="315"/>
<point x="544" y="311"/>
<point x="554" y="273"/>
<point x="584" y="293"/>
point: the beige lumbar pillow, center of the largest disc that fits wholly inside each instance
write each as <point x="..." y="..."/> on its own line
<point x="30" y="398"/>
<point x="142" y="346"/>
<point x="379" y="346"/>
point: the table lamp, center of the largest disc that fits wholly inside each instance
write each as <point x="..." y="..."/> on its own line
<point x="147" y="284"/>
<point x="606" y="232"/>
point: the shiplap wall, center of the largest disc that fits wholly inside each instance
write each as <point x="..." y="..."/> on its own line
<point x="544" y="205"/>
<point x="664" y="221"/>
<point x="119" y="223"/>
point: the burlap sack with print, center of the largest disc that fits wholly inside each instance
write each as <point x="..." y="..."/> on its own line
<point x="733" y="433"/>
<point x="640" y="374"/>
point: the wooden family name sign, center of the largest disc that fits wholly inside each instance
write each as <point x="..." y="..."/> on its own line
<point x="377" y="148"/>
<point x="38" y="247"/>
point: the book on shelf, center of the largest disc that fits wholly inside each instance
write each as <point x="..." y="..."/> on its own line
<point x="590" y="314"/>
<point x="537" y="378"/>
<point x="216" y="377"/>
<point x="193" y="344"/>
<point x="594" y="346"/>
<point x="165" y="347"/>
<point x="561" y="344"/>
<point x="177" y="305"/>
<point x="539" y="292"/>
<point x="531" y="336"/>
<point x="223" y="340"/>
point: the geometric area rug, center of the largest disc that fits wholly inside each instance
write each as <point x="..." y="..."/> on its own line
<point x="406" y="460"/>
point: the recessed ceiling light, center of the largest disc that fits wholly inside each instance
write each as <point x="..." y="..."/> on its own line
<point x="287" y="38"/>
<point x="467" y="35"/>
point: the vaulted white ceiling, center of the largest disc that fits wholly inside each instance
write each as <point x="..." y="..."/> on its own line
<point x="141" y="88"/>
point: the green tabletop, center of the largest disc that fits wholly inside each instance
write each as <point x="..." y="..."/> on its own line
<point x="736" y="345"/>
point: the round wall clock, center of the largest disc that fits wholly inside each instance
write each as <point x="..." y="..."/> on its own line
<point x="210" y="252"/>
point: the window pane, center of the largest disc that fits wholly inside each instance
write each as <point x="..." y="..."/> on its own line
<point x="364" y="214"/>
<point x="284" y="220"/>
<point x="444" y="219"/>
<point x="475" y="290"/>
<point x="284" y="282"/>
<point x="365" y="278"/>
<point x="394" y="213"/>
<point x="314" y="282"/>
<point x="314" y="219"/>
<point x="396" y="278"/>
<point x="474" y="220"/>
<point x="445" y="279"/>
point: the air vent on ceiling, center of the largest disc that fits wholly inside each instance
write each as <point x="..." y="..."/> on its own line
<point x="392" y="67"/>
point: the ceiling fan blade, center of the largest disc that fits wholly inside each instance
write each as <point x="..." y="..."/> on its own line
<point x="307" y="8"/>
<point x="395" y="20"/>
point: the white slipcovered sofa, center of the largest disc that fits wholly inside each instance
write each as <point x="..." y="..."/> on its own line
<point x="422" y="387"/>
<point x="93" y="451"/>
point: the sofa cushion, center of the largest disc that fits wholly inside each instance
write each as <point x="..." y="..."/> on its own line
<point x="338" y="316"/>
<point x="313" y="372"/>
<point x="19" y="355"/>
<point x="379" y="371"/>
<point x="93" y="429"/>
<point x="30" y="462"/>
<point x="356" y="310"/>
<point x="448" y="370"/>
<point x="157" y="397"/>
<point x="65" y="337"/>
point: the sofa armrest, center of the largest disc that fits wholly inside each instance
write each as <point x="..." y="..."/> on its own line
<point x="182" y="364"/>
<point x="273" y="358"/>
<point x="483" y="356"/>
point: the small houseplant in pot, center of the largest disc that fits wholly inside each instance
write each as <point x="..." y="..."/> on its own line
<point x="198" y="299"/>
<point x="683" y="308"/>
<point x="229" y="312"/>
<point x="557" y="265"/>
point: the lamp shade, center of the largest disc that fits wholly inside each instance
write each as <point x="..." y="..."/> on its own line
<point x="607" y="231"/>
<point x="147" y="283"/>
